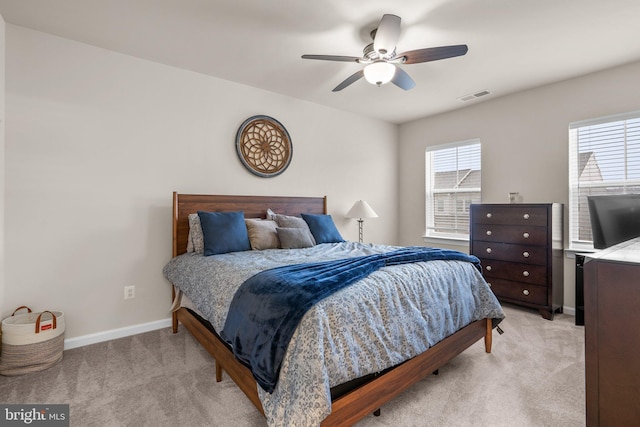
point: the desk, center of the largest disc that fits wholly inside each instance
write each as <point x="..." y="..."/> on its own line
<point x="612" y="335"/>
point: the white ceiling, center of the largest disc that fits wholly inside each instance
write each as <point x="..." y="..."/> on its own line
<point x="513" y="44"/>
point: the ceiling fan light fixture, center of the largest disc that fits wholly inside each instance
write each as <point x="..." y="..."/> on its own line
<point x="379" y="73"/>
<point x="379" y="58"/>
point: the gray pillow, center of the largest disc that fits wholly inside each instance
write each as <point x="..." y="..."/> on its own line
<point x="262" y="234"/>
<point x="286" y="221"/>
<point x="294" y="238"/>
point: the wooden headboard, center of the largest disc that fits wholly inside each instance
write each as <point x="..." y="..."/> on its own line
<point x="252" y="206"/>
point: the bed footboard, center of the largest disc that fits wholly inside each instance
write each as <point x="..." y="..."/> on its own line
<point x="366" y="398"/>
<point x="225" y="360"/>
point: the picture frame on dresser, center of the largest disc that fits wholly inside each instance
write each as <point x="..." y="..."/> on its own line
<point x="520" y="247"/>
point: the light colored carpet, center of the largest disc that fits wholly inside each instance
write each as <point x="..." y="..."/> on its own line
<point x="533" y="377"/>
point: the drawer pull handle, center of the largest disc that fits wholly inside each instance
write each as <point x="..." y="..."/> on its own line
<point x="525" y="273"/>
<point x="489" y="215"/>
<point x="488" y="268"/>
<point x="488" y="250"/>
<point x="525" y="235"/>
<point x="526" y="292"/>
<point x="525" y="254"/>
<point x="489" y="233"/>
<point x="525" y="216"/>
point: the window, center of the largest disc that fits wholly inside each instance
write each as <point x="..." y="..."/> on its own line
<point x="452" y="184"/>
<point x="604" y="158"/>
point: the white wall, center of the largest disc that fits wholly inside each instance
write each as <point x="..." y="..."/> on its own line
<point x="96" y="142"/>
<point x="2" y="166"/>
<point x="524" y="144"/>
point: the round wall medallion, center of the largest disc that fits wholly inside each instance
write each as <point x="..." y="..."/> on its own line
<point x="264" y="146"/>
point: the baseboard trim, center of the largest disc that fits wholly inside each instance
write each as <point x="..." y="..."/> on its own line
<point x="115" y="333"/>
<point x="152" y="326"/>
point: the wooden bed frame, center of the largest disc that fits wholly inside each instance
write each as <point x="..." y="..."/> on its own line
<point x="348" y="407"/>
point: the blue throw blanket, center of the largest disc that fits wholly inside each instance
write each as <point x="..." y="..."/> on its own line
<point x="266" y="309"/>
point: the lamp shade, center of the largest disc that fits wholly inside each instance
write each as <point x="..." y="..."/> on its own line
<point x="379" y="73"/>
<point x="361" y="209"/>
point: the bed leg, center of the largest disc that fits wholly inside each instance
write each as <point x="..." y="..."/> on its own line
<point x="488" y="336"/>
<point x="376" y="413"/>
<point x="174" y="313"/>
<point x="218" y="372"/>
<point x="174" y="322"/>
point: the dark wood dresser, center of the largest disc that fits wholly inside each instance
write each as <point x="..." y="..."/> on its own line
<point x="612" y="335"/>
<point x="520" y="247"/>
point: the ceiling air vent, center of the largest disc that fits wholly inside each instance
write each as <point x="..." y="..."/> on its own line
<point x="474" y="95"/>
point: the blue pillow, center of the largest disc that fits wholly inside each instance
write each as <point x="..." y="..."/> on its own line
<point x="323" y="228"/>
<point x="224" y="232"/>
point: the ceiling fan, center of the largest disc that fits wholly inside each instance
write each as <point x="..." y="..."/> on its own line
<point x="382" y="61"/>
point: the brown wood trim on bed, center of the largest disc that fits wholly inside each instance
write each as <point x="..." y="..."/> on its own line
<point x="362" y="401"/>
<point x="252" y="206"/>
<point x="225" y="359"/>
<point x="353" y="405"/>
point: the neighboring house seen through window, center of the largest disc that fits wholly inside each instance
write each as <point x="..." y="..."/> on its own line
<point x="453" y="182"/>
<point x="604" y="158"/>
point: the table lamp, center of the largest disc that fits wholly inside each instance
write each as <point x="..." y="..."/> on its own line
<point x="361" y="210"/>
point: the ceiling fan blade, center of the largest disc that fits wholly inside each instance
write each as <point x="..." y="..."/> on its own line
<point x="351" y="79"/>
<point x="332" y="58"/>
<point x="402" y="79"/>
<point x="433" y="53"/>
<point x="387" y="35"/>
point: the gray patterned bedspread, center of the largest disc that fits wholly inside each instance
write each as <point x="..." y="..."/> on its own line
<point x="390" y="316"/>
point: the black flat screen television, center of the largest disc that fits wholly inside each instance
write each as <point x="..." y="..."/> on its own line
<point x="614" y="219"/>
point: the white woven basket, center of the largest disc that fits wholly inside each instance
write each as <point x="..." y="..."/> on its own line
<point x="31" y="342"/>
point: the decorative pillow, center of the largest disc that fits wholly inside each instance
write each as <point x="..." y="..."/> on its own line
<point x="224" y="232"/>
<point x="294" y="238"/>
<point x="262" y="234"/>
<point x="323" y="228"/>
<point x="195" y="242"/>
<point x="271" y="215"/>
<point x="286" y="221"/>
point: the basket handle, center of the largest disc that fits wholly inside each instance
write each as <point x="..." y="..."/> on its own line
<point x="38" y="321"/>
<point x="20" y="308"/>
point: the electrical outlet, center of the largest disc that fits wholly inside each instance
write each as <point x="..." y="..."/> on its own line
<point x="129" y="292"/>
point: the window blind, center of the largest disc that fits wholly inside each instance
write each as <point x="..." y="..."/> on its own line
<point x="604" y="158"/>
<point x="453" y="182"/>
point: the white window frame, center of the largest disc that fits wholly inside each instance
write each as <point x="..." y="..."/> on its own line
<point x="431" y="235"/>
<point x="575" y="204"/>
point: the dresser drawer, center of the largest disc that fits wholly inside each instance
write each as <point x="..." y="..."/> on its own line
<point x="524" y="292"/>
<point x="508" y="252"/>
<point x="510" y="215"/>
<point x="526" y="273"/>
<point x="519" y="234"/>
